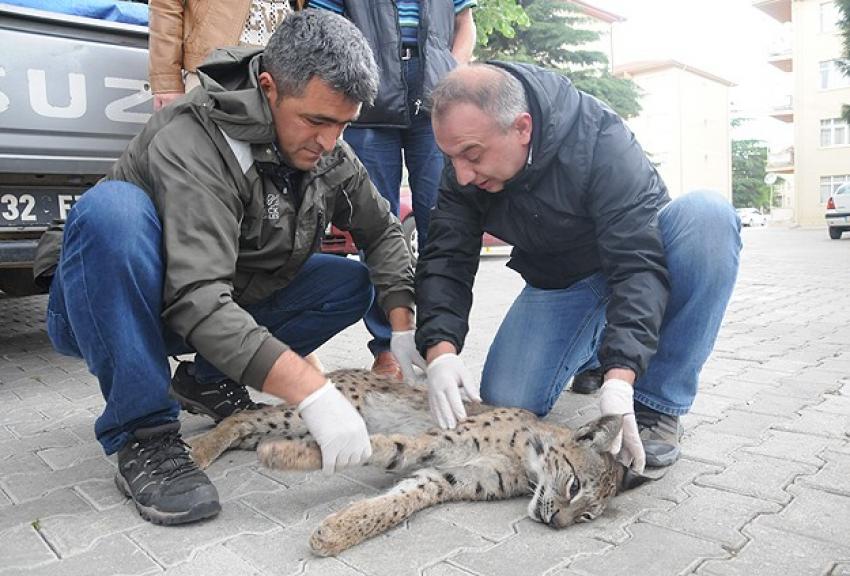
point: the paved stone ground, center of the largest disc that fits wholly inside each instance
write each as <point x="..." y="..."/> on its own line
<point x="762" y="488"/>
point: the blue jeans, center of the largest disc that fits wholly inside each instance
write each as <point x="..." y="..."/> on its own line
<point x="380" y="150"/>
<point x="548" y="336"/>
<point x="106" y="299"/>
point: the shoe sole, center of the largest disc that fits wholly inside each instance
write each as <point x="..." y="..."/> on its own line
<point x="583" y="390"/>
<point x="193" y="407"/>
<point x="198" y="512"/>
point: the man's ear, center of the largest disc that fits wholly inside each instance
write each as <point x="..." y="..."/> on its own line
<point x="522" y="124"/>
<point x="268" y="86"/>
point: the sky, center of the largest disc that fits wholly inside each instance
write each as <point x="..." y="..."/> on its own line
<point x="728" y="38"/>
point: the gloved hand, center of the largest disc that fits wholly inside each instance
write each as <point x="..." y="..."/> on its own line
<point x="617" y="397"/>
<point x="337" y="427"/>
<point x="403" y="347"/>
<point x="446" y="374"/>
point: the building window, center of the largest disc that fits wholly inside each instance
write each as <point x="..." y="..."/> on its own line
<point x="834" y="132"/>
<point x="828" y="18"/>
<point x="829" y="184"/>
<point x="831" y="76"/>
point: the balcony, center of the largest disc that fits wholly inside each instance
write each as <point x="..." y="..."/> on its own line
<point x="777" y="9"/>
<point x="782" y="59"/>
<point x="784" y="111"/>
<point x="781" y="162"/>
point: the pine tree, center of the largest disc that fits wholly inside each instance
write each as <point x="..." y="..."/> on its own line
<point x="553" y="39"/>
<point x="844" y="27"/>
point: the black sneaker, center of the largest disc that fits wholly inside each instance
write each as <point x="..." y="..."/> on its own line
<point x="587" y="382"/>
<point x="660" y="434"/>
<point x="157" y="472"/>
<point x="217" y="400"/>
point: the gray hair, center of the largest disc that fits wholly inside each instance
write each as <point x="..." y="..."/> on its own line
<point x="493" y="90"/>
<point x="319" y="43"/>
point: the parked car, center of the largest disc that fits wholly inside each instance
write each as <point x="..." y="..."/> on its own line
<point x="751" y="217"/>
<point x="337" y="241"/>
<point x="838" y="212"/>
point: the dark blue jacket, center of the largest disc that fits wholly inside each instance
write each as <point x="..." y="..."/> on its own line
<point x="588" y="202"/>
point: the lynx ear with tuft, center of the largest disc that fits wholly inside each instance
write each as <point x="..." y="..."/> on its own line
<point x="600" y="433"/>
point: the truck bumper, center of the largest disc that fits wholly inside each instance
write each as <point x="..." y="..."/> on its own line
<point x="17" y="253"/>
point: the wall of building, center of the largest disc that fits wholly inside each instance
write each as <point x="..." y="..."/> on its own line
<point x="684" y="128"/>
<point x="811" y="105"/>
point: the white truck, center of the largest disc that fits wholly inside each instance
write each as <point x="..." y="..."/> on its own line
<point x="73" y="92"/>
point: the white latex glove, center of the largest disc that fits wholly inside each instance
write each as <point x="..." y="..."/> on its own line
<point x="446" y="375"/>
<point x="336" y="426"/>
<point x="617" y="397"/>
<point x="403" y="347"/>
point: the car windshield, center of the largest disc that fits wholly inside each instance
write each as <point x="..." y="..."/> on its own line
<point x="843" y="189"/>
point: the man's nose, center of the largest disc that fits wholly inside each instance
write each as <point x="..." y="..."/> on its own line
<point x="327" y="138"/>
<point x="463" y="172"/>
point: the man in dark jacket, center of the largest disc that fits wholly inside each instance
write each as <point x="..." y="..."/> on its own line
<point x="415" y="42"/>
<point x="614" y="269"/>
<point x="204" y="237"/>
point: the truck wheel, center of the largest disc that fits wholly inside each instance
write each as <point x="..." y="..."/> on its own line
<point x="411" y="237"/>
<point x="18" y="282"/>
<point x="835" y="233"/>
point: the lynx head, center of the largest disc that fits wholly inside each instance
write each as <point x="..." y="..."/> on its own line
<point x="574" y="477"/>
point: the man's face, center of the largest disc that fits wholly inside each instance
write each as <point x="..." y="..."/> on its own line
<point x="482" y="153"/>
<point x="308" y="125"/>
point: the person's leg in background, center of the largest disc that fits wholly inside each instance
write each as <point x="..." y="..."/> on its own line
<point x="379" y="149"/>
<point x="546" y="337"/>
<point x="104" y="306"/>
<point x="702" y="243"/>
<point x="422" y="157"/>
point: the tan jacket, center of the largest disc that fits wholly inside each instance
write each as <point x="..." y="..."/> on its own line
<point x="184" y="32"/>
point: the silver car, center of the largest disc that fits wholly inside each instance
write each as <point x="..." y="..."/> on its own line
<point x="838" y="211"/>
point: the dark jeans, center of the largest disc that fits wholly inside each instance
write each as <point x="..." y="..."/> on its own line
<point x="380" y="150"/>
<point x="106" y="299"/>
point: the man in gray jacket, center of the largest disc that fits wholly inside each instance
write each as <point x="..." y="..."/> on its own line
<point x="204" y="237"/>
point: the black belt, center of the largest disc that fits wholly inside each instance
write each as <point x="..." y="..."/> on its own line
<point x="408" y="52"/>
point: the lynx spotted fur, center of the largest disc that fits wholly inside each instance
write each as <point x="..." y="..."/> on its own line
<point x="495" y="453"/>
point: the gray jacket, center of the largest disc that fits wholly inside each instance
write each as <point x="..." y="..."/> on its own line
<point x="229" y="237"/>
<point x="380" y="26"/>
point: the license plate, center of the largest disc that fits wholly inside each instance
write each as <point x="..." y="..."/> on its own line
<point x="34" y="209"/>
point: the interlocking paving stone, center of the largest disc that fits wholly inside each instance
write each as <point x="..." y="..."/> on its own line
<point x="26" y="486"/>
<point x="813" y="421"/>
<point x="445" y="569"/>
<point x="713" y="515"/>
<point x="713" y="447"/>
<point x="733" y="388"/>
<point x="535" y="547"/>
<point x="737" y="423"/>
<point x="214" y="561"/>
<point x="774" y="402"/>
<point x="758" y="476"/>
<point x="493" y="520"/>
<point x="711" y="404"/>
<point x="793" y="446"/>
<point x="110" y="556"/>
<point x="72" y="535"/>
<point x="771" y="552"/>
<point x="813" y="513"/>
<point x="283" y="550"/>
<point x="56" y="503"/>
<point x="22" y="547"/>
<point x="169" y="546"/>
<point x="65" y="457"/>
<point x="654" y="549"/>
<point x="835" y="474"/>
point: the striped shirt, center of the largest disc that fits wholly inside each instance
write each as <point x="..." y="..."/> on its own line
<point x="408" y="15"/>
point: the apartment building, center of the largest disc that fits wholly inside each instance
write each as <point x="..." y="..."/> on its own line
<point x="820" y="159"/>
<point x="684" y="124"/>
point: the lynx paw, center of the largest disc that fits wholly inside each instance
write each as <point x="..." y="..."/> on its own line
<point x="327" y="540"/>
<point x="202" y="453"/>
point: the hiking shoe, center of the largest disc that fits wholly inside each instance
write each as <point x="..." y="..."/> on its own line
<point x="587" y="382"/>
<point x="660" y="434"/>
<point x="217" y="400"/>
<point x="157" y="472"/>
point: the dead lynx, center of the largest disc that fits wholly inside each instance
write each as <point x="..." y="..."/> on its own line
<point x="495" y="453"/>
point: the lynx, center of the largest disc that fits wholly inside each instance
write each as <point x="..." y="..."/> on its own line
<point x="494" y="453"/>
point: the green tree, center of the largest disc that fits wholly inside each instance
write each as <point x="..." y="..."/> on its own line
<point x="749" y="163"/>
<point x="552" y="38"/>
<point x="501" y="16"/>
<point x="844" y="27"/>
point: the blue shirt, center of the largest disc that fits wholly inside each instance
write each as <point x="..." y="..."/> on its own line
<point x="408" y="15"/>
